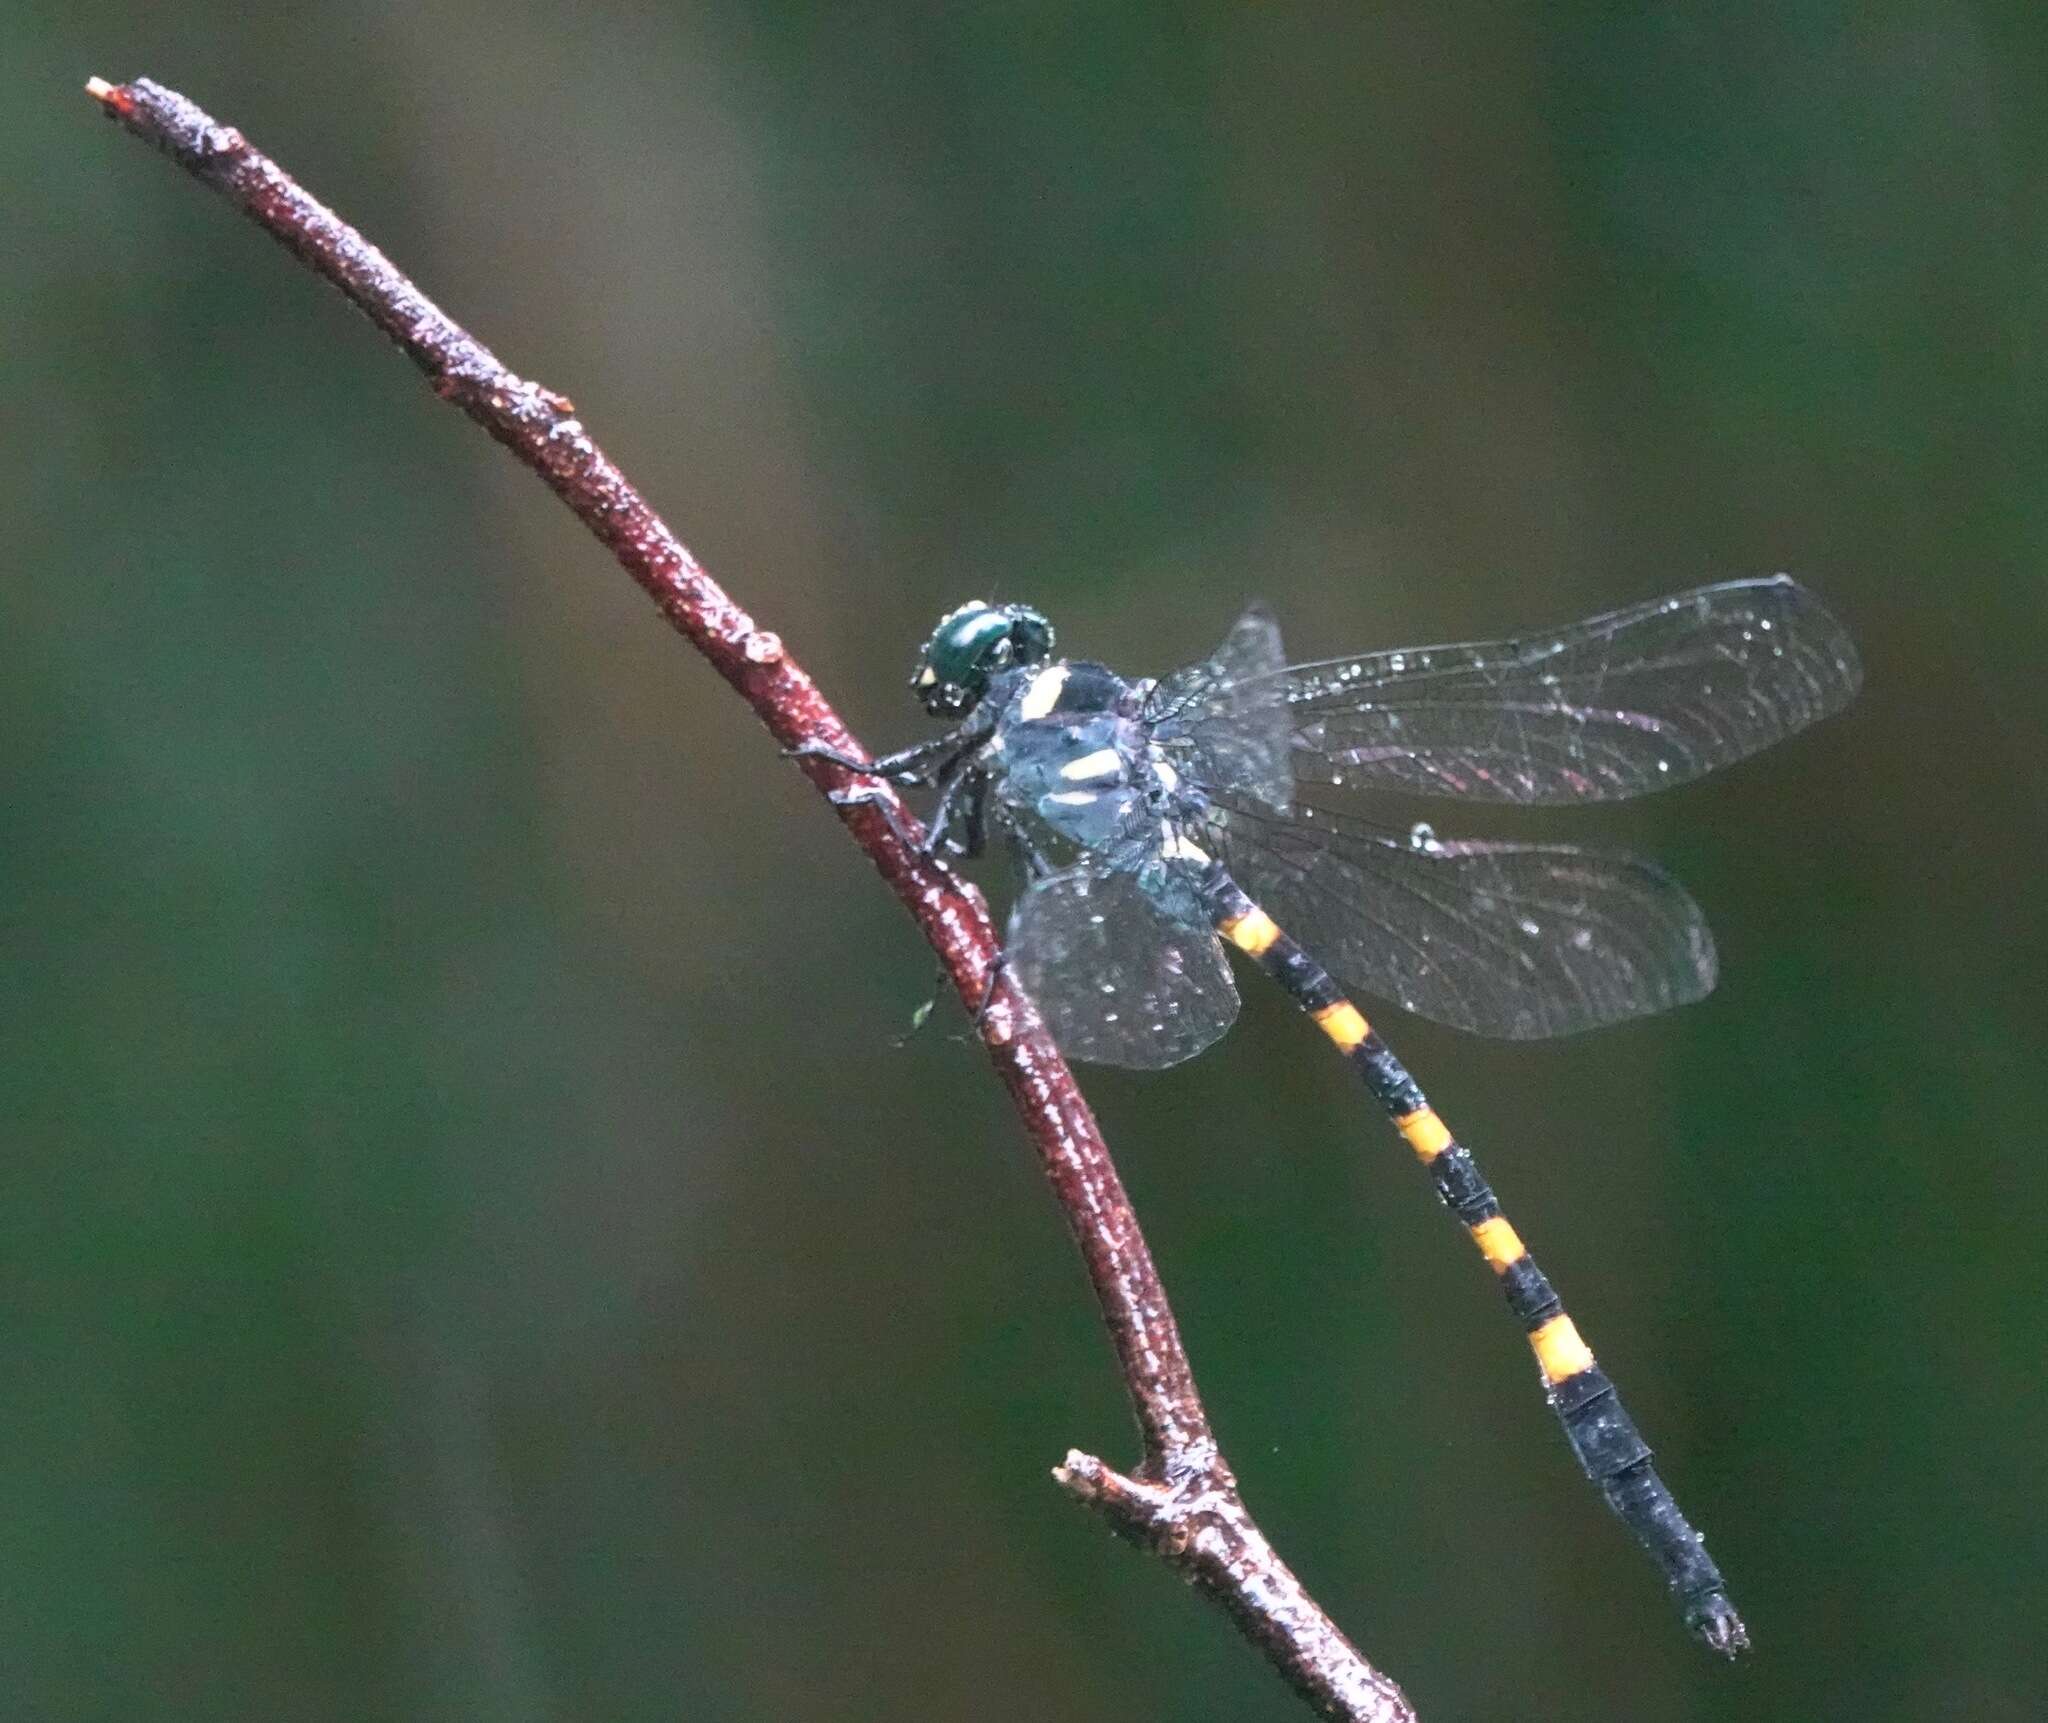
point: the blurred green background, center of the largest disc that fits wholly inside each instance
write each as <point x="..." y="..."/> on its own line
<point x="470" y="1248"/>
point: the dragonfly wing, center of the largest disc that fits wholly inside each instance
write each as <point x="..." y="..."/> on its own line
<point x="1618" y="705"/>
<point x="1224" y="722"/>
<point x="1120" y="978"/>
<point x="1519" y="941"/>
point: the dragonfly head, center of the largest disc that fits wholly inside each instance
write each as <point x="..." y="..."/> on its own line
<point x="970" y="647"/>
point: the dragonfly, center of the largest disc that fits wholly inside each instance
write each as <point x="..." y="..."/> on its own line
<point x="1155" y="822"/>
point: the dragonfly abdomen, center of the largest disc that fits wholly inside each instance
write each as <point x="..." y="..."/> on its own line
<point x="1604" y="1438"/>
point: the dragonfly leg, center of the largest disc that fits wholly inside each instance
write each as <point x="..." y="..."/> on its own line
<point x="913" y="765"/>
<point x="891" y="811"/>
<point x="988" y="989"/>
<point x="1031" y="862"/>
<point x="959" y="822"/>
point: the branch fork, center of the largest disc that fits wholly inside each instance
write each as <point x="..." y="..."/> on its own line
<point x="1185" y="1511"/>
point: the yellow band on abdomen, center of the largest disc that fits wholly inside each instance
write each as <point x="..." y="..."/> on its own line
<point x="1253" y="932"/>
<point x="1559" y="1350"/>
<point x="1427" y="1135"/>
<point x="1498" y="1242"/>
<point x="1343" y="1023"/>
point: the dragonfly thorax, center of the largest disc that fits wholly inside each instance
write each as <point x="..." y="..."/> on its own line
<point x="1079" y="766"/>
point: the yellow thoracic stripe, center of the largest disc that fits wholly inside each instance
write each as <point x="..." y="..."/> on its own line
<point x="1559" y="1350"/>
<point x="1498" y="1242"/>
<point x="1253" y="932"/>
<point x="1427" y="1135"/>
<point x="1044" y="692"/>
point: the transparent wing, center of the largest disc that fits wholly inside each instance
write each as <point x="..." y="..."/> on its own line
<point x="1618" y="705"/>
<point x="1519" y="941"/>
<point x="1225" y="721"/>
<point x="1119" y="978"/>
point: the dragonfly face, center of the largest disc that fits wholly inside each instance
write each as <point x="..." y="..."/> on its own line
<point x="972" y="646"/>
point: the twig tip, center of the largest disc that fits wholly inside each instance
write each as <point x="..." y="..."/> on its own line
<point x="1078" y="1468"/>
<point x="1088" y="1479"/>
<point x="112" y="97"/>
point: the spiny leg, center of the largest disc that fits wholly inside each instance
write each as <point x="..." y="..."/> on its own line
<point x="911" y="765"/>
<point x="959" y="818"/>
<point x="1610" y="1449"/>
<point x="948" y="762"/>
<point x="959" y="824"/>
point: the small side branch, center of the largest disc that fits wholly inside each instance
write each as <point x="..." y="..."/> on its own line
<point x="1182" y="1501"/>
<point x="1196" y="1521"/>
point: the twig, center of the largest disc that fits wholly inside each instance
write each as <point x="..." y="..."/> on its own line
<point x="1182" y="1500"/>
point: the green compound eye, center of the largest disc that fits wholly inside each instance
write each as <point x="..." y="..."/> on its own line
<point x="969" y="647"/>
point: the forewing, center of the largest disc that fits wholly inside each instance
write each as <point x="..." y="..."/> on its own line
<point x="1519" y="941"/>
<point x="1118" y="979"/>
<point x="1618" y="705"/>
<point x="1224" y="722"/>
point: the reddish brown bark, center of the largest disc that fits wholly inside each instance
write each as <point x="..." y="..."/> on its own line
<point x="1181" y="1500"/>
